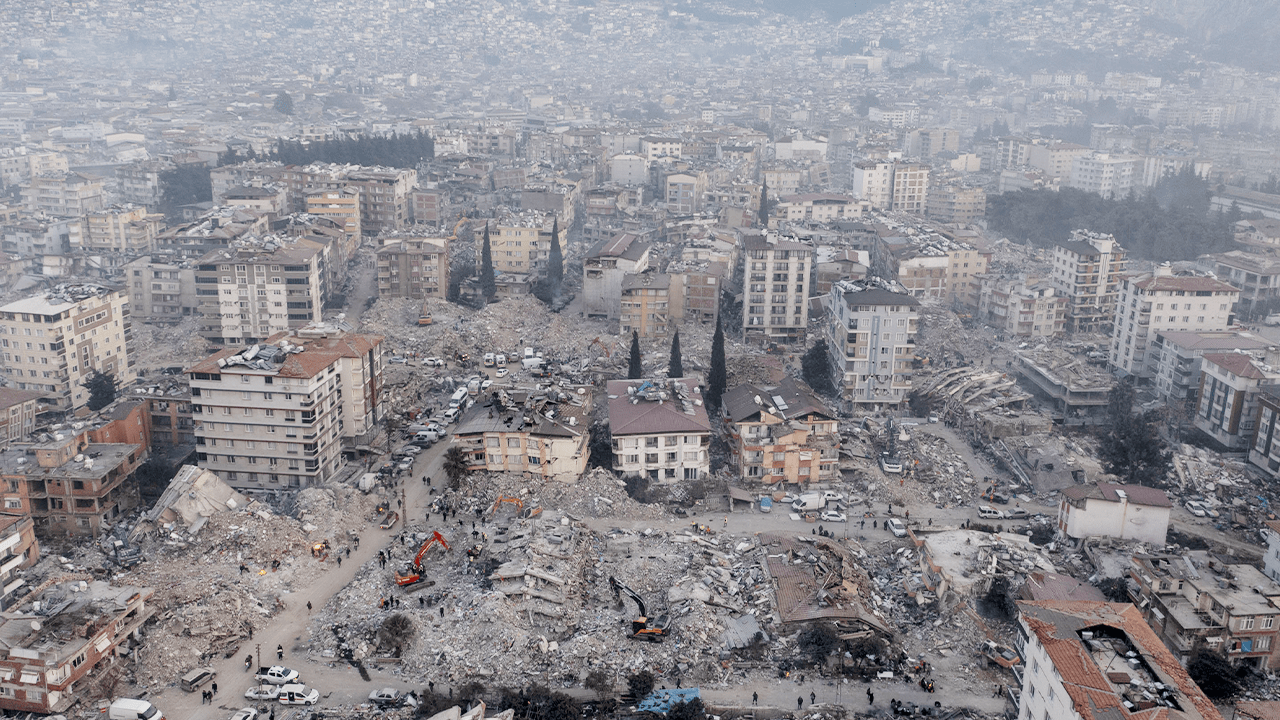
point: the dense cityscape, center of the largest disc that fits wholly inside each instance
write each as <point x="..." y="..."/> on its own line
<point x="810" y="360"/>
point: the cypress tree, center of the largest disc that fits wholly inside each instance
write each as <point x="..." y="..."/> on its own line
<point x="487" y="285"/>
<point x="675" y="368"/>
<point x="555" y="261"/>
<point x="634" y="369"/>
<point x="718" y="377"/>
<point x="764" y="204"/>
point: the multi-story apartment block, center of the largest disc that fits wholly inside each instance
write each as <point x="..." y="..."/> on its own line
<point x="1111" y="176"/>
<point x="119" y="228"/>
<point x="653" y="147"/>
<point x="139" y="183"/>
<point x="1264" y="453"/>
<point x="546" y="440"/>
<point x="685" y="192"/>
<point x="341" y="205"/>
<point x="819" y="207"/>
<point x="700" y="284"/>
<point x="1152" y="303"/>
<point x="38" y="236"/>
<point x="215" y="229"/>
<point x="660" y="429"/>
<point x="782" y="434"/>
<point x="783" y="180"/>
<point x="1190" y="602"/>
<point x="413" y="267"/>
<point x="259" y="288"/>
<point x="929" y="142"/>
<point x="72" y="485"/>
<point x="52" y="342"/>
<point x="428" y="206"/>
<point x="1025" y="308"/>
<point x="1231" y="388"/>
<point x="161" y="292"/>
<point x="270" y="199"/>
<point x="1087" y="270"/>
<point x="776" y="307"/>
<point x="873" y="182"/>
<point x="63" y="194"/>
<point x="20" y="165"/>
<point x="603" y="270"/>
<point x="1012" y="152"/>
<point x="1056" y="158"/>
<point x="1093" y="660"/>
<point x="910" y="187"/>
<point x="51" y="669"/>
<point x="956" y="204"/>
<point x="521" y="243"/>
<point x="17" y="414"/>
<point x="1177" y="357"/>
<point x="1257" y="276"/>
<point x="276" y="416"/>
<point x="651" y="305"/>
<point x="871" y="340"/>
<point x="384" y="192"/>
<point x="21" y="550"/>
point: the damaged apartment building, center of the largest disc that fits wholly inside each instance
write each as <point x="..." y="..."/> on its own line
<point x="871" y="338"/>
<point x="782" y="435"/>
<point x="63" y="641"/>
<point x="660" y="429"/>
<point x="542" y="433"/>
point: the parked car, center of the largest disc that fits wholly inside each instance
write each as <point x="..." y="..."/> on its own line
<point x="766" y="504"/>
<point x="410" y="449"/>
<point x="1000" y="498"/>
<point x="197" y="678"/>
<point x="262" y="692"/>
<point x="386" y="696"/>
<point x="245" y="714"/>
<point x="433" y="362"/>
<point x="896" y="527"/>
<point x="831" y="496"/>
<point x="989" y="513"/>
<point x="1195" y="508"/>
<point x="298" y="695"/>
<point x="833" y="516"/>
<point x="1016" y="513"/>
<point x="485" y="384"/>
<point x="276" y="675"/>
<point x="501" y="373"/>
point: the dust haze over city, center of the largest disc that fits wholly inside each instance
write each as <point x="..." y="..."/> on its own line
<point x="702" y="360"/>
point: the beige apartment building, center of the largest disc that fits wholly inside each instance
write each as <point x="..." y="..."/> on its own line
<point x="871" y="342"/>
<point x="249" y="293"/>
<point x="341" y="205"/>
<point x="413" y="267"/>
<point x="520" y="243"/>
<point x="1153" y="303"/>
<point x="120" y="228"/>
<point x="63" y="194"/>
<point x="1087" y="269"/>
<point x="53" y="341"/>
<point x="777" y="284"/>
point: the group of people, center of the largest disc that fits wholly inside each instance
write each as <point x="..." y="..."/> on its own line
<point x="206" y="696"/>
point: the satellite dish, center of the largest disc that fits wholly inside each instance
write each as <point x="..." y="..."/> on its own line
<point x="35" y="625"/>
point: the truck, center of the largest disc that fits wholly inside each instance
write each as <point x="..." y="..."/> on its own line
<point x="276" y="675"/>
<point x="809" y="501"/>
<point x="766" y="504"/>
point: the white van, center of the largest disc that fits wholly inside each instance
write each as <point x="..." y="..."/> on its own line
<point x="458" y="396"/>
<point x="451" y="414"/>
<point x="131" y="709"/>
<point x="809" y="501"/>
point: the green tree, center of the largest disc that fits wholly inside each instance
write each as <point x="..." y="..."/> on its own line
<point x="1130" y="446"/>
<point x="764" y="204"/>
<point x="600" y="445"/>
<point x="598" y="682"/>
<point x="555" y="261"/>
<point x="283" y="103"/>
<point x="718" y="376"/>
<point x="487" y="285"/>
<point x="816" y="371"/>
<point x="457" y="465"/>
<point x="1213" y="672"/>
<point x="692" y="710"/>
<point x="183" y="185"/>
<point x="675" y="368"/>
<point x="640" y="684"/>
<point x="635" y="369"/>
<point x="102" y="389"/>
<point x="818" y="641"/>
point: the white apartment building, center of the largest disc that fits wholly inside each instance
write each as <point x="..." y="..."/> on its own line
<point x="871" y="342"/>
<point x="1158" y="302"/>
<point x="63" y="194"/>
<point x="1111" y="176"/>
<point x="776" y="307"/>
<point x="652" y="148"/>
<point x="910" y="187"/>
<point x="275" y="416"/>
<point x="1056" y="158"/>
<point x="685" y="192"/>
<point x="819" y="207"/>
<point x="607" y="263"/>
<point x="263" y="287"/>
<point x="53" y="341"/>
<point x="160" y="292"/>
<point x="1087" y="270"/>
<point x="1022" y="308"/>
<point x="873" y="181"/>
<point x="660" y="429"/>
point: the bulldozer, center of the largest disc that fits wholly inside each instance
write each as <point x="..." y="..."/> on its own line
<point x="641" y="629"/>
<point x="411" y="580"/>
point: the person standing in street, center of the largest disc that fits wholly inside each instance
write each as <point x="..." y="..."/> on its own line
<point x="755" y="698"/>
<point x="799" y="703"/>
<point x="280" y="652"/>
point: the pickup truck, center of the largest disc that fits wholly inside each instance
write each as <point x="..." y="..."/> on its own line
<point x="276" y="675"/>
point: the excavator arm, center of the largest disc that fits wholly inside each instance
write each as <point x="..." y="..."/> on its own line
<point x="412" y="576"/>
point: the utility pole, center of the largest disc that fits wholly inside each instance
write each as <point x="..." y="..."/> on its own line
<point x="257" y="649"/>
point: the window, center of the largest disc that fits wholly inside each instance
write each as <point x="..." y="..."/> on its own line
<point x="651" y="458"/>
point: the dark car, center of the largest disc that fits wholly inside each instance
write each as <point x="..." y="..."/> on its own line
<point x="1000" y="498"/>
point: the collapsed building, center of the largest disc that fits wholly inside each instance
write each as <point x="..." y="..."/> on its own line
<point x="782" y="434"/>
<point x="540" y="432"/>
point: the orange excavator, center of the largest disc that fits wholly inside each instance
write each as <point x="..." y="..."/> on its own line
<point x="605" y="348"/>
<point x="412" y="579"/>
<point x="642" y="627"/>
<point x="504" y="499"/>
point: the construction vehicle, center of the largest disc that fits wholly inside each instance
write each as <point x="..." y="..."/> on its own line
<point x="424" y="315"/>
<point x="603" y="348"/>
<point x="640" y="627"/>
<point x="412" y="579"/>
<point x="504" y="499"/>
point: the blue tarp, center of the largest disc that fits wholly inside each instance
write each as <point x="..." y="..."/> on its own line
<point x="660" y="701"/>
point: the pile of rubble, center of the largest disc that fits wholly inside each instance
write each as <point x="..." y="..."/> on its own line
<point x="157" y="346"/>
<point x="598" y="494"/>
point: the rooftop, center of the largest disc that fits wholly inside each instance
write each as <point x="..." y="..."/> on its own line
<point x="652" y="407"/>
<point x="287" y="355"/>
<point x="1111" y="492"/>
<point x="58" y="300"/>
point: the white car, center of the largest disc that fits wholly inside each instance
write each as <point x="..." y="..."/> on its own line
<point x="277" y="675"/>
<point x="1195" y="508"/>
<point x="501" y="373"/>
<point x="245" y="714"/>
<point x="433" y="362"/>
<point x="298" y="695"/>
<point x="831" y="496"/>
<point x="485" y="384"/>
<point x="262" y="692"/>
<point x="989" y="513"/>
<point x="896" y="527"/>
<point x="833" y="516"/>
